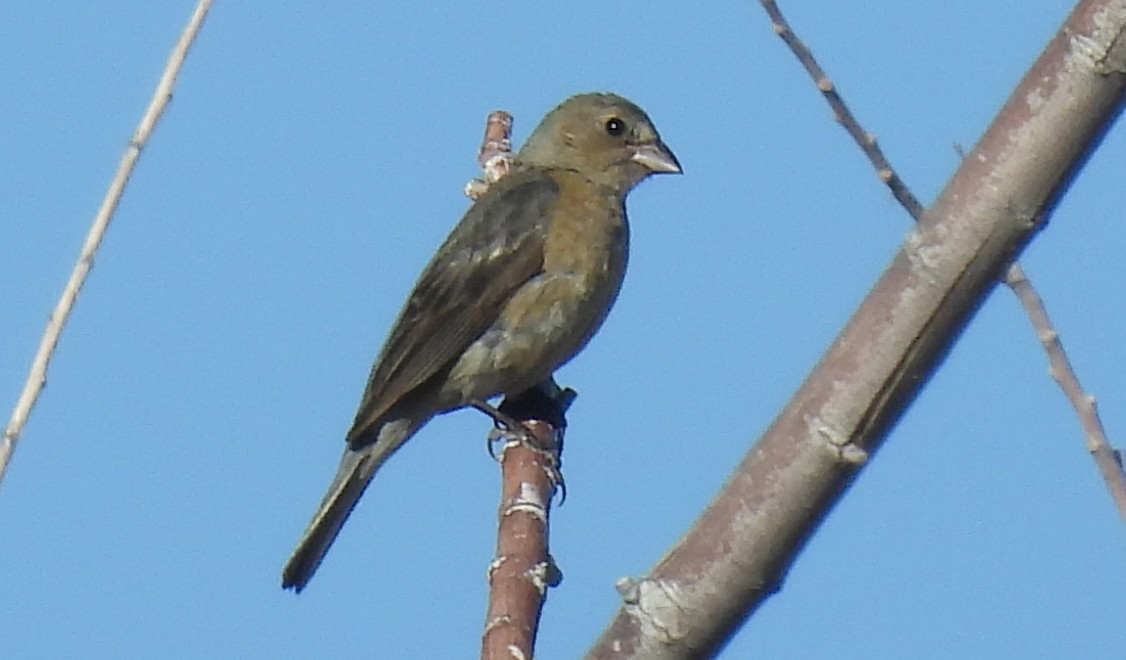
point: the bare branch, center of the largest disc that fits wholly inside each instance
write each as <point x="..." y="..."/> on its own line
<point x="523" y="569"/>
<point x="495" y="155"/>
<point x="37" y="375"/>
<point x="1106" y="458"/>
<point x="842" y="113"/>
<point x="739" y="549"/>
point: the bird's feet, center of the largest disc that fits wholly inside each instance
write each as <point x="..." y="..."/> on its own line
<point x="510" y="431"/>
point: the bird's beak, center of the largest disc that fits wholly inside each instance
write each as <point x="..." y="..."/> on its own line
<point x="657" y="157"/>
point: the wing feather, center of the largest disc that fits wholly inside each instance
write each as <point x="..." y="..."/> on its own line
<point x="496" y="248"/>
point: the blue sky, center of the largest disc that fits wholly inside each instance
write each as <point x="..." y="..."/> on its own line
<point x="309" y="164"/>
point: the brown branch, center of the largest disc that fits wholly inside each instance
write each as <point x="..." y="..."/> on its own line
<point x="842" y="113"/>
<point x="37" y="375"/>
<point x="523" y="569"/>
<point x="741" y="546"/>
<point x="1106" y="458"/>
<point x="495" y="155"/>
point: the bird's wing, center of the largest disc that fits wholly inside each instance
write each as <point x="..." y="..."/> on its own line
<point x="497" y="247"/>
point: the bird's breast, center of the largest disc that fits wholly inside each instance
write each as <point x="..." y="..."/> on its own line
<point x="588" y="235"/>
<point x="586" y="249"/>
<point x="555" y="313"/>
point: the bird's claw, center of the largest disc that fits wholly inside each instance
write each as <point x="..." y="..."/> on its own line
<point x="501" y="436"/>
<point x="507" y="431"/>
<point x="506" y="437"/>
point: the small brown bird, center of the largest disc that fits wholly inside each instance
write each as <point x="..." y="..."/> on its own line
<point x="518" y="288"/>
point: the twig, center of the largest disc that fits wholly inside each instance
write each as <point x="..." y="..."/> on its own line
<point x="37" y="375"/>
<point x="842" y="114"/>
<point x="1106" y="458"/>
<point x="495" y="155"/>
<point x="522" y="570"/>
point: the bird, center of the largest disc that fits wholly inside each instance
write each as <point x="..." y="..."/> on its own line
<point x="520" y="285"/>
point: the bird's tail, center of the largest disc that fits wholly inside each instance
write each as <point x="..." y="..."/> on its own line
<point x="357" y="467"/>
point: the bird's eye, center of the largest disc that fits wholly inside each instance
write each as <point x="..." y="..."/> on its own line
<point x="615" y="126"/>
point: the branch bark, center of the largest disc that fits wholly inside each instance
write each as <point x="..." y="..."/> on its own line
<point x="738" y="551"/>
<point x="1106" y="458"/>
<point x="523" y="569"/>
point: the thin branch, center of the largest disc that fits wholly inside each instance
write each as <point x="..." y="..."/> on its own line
<point x="1106" y="458"/>
<point x="841" y="112"/>
<point x="523" y="569"/>
<point x="37" y="375"/>
<point x="495" y="155"/>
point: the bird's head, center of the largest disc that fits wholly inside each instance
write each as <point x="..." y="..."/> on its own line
<point x="603" y="136"/>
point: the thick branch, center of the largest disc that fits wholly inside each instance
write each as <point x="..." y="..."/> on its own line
<point x="740" y="548"/>
<point x="1106" y="457"/>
